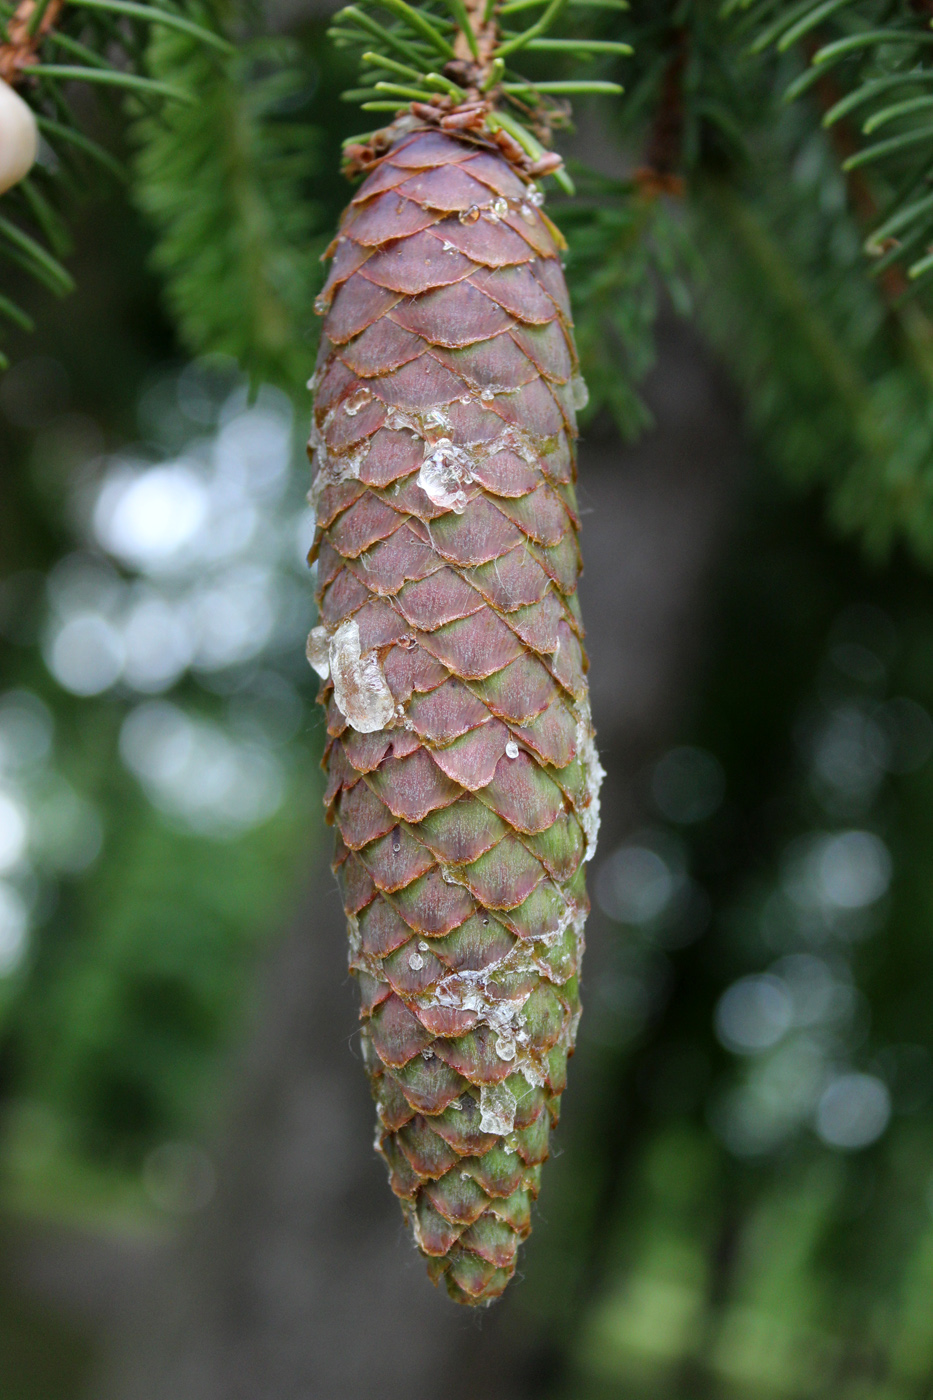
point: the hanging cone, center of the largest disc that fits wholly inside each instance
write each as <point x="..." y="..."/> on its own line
<point x="462" y="775"/>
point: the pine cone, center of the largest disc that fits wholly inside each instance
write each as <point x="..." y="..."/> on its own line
<point x="462" y="774"/>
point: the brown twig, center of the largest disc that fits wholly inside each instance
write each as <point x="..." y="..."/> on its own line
<point x="894" y="284"/>
<point x="660" y="173"/>
<point x="22" y="47"/>
<point x="845" y="143"/>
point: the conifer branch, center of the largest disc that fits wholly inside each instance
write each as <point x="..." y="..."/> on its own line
<point x="228" y="186"/>
<point x="470" y="92"/>
<point x="871" y="52"/>
<point x="105" y="41"/>
<point x="31" y="22"/>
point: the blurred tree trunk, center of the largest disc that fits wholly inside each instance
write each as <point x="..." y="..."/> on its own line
<point x="299" y="1281"/>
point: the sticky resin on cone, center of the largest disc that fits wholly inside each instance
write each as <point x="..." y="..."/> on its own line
<point x="463" y="778"/>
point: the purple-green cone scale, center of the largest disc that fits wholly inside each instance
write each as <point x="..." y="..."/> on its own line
<point x="462" y="774"/>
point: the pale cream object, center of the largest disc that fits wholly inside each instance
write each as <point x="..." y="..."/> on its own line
<point x="19" y="138"/>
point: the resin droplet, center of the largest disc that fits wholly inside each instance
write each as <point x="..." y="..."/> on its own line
<point x="497" y="1106"/>
<point x="511" y="749"/>
<point x="360" y="690"/>
<point x="595" y="772"/>
<point x="469" y="216"/>
<point x="444" y="472"/>
<point x="505" y="1049"/>
<point x="357" y="400"/>
<point x="318" y="651"/>
<point x="415" y="962"/>
<point x="332" y="470"/>
<point x="579" y="393"/>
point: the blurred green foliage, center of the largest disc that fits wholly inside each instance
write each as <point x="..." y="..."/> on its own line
<point x="241" y="259"/>
<point x="733" y="1247"/>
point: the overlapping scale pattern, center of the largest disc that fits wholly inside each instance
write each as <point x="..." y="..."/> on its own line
<point x="462" y="774"/>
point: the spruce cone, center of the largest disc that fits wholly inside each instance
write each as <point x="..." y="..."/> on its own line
<point x="462" y="774"/>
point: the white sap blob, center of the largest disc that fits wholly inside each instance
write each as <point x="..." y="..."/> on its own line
<point x="517" y="440"/>
<point x="19" y="138"/>
<point x="595" y="772"/>
<point x="357" y="400"/>
<point x="360" y="690"/>
<point x="511" y="749"/>
<point x="399" y="422"/>
<point x="318" y="651"/>
<point x="497" y="1106"/>
<point x="579" y="393"/>
<point x="444" y="472"/>
<point x="353" y="936"/>
<point x="332" y="470"/>
<point x="475" y="990"/>
<point x="415" y="962"/>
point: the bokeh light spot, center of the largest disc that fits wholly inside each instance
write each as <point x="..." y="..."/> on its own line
<point x="634" y="885"/>
<point x="13" y="831"/>
<point x="754" y="1014"/>
<point x="853" y="1112"/>
<point x="14" y="924"/>
<point x="86" y="654"/>
<point x="144" y="518"/>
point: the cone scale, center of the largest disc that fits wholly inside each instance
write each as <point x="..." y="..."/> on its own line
<point x="462" y="776"/>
